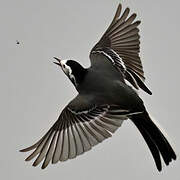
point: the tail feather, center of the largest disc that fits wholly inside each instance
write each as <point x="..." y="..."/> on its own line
<point x="154" y="138"/>
<point x="151" y="144"/>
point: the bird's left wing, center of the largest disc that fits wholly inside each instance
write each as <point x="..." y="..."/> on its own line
<point x="120" y="44"/>
<point x="75" y="132"/>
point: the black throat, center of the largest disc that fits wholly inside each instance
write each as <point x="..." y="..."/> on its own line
<point x="78" y="71"/>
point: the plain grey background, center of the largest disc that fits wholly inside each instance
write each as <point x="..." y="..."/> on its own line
<point x="34" y="90"/>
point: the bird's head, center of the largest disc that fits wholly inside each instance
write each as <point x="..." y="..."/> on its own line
<point x="72" y="69"/>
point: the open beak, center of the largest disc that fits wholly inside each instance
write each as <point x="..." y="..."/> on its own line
<point x="58" y="61"/>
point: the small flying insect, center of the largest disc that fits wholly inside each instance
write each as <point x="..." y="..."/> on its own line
<point x="17" y="42"/>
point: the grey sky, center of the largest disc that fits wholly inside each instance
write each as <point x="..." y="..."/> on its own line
<point x="34" y="90"/>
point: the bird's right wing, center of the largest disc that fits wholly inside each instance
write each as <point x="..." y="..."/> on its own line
<point x="120" y="44"/>
<point x="76" y="132"/>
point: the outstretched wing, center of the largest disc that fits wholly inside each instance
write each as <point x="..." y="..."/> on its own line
<point x="120" y="43"/>
<point x="76" y="132"/>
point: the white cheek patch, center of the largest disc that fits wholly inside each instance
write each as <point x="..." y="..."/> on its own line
<point x="68" y="71"/>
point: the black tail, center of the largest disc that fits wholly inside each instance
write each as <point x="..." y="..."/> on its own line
<point x="154" y="138"/>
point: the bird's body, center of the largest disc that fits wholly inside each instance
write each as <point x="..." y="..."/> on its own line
<point x="104" y="99"/>
<point x="107" y="87"/>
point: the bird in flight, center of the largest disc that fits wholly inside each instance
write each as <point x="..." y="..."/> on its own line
<point x="107" y="95"/>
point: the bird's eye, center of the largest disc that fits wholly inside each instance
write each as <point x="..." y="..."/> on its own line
<point x="63" y="66"/>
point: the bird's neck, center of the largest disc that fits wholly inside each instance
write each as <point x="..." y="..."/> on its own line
<point x="80" y="75"/>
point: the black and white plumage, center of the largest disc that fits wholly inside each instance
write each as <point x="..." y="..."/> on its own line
<point x="121" y="43"/>
<point x="105" y="100"/>
<point x="77" y="132"/>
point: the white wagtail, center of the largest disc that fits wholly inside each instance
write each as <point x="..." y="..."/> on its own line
<point x="107" y="96"/>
